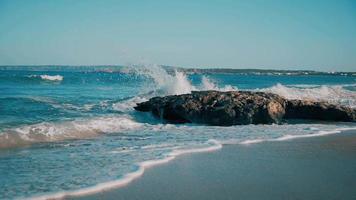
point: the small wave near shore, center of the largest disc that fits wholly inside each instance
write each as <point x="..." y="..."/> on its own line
<point x="54" y="132"/>
<point x="212" y="145"/>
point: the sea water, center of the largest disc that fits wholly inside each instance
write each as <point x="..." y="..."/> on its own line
<point x="73" y="131"/>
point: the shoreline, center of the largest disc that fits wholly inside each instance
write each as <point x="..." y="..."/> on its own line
<point x="198" y="173"/>
<point x="132" y="177"/>
<point x="128" y="178"/>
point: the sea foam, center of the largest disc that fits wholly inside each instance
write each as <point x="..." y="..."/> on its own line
<point x="335" y="94"/>
<point x="291" y="137"/>
<point x="77" y="129"/>
<point x="128" y="178"/>
<point x="47" y="77"/>
<point x="52" y="78"/>
<point x="176" y="82"/>
<point x="213" y="145"/>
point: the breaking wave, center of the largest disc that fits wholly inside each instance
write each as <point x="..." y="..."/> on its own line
<point x="209" y="146"/>
<point x="163" y="82"/>
<point x="139" y="144"/>
<point x="176" y="82"/>
<point x="52" y="78"/>
<point x="209" y="84"/>
<point x="77" y="129"/>
<point x="336" y="94"/>
<point x="48" y="77"/>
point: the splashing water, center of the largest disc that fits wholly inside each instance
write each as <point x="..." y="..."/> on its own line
<point x="332" y="94"/>
<point x="54" y="132"/>
<point x="177" y="82"/>
<point x="52" y="78"/>
<point x="83" y="139"/>
<point x="166" y="83"/>
<point x="209" y="84"/>
<point x="47" y="77"/>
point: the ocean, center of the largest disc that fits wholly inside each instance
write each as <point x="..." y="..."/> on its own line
<point x="73" y="130"/>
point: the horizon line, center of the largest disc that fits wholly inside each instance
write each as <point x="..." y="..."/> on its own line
<point x="198" y="67"/>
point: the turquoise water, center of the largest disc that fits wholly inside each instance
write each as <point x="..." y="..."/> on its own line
<point x="73" y="129"/>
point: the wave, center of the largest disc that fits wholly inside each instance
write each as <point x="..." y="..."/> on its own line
<point x="164" y="82"/>
<point x="77" y="129"/>
<point x="210" y="84"/>
<point x="176" y="82"/>
<point x="47" y="77"/>
<point x="128" y="178"/>
<point x="211" y="145"/>
<point x="336" y="94"/>
<point x="52" y="78"/>
<point x="291" y="137"/>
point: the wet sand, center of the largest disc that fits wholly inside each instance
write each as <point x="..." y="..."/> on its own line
<point x="305" y="168"/>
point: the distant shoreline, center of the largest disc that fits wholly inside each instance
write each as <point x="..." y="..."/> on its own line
<point x="171" y="69"/>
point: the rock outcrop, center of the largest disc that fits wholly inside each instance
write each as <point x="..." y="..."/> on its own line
<point x="240" y="107"/>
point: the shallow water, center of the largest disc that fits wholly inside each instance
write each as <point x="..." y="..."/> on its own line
<point x="312" y="168"/>
<point x="71" y="129"/>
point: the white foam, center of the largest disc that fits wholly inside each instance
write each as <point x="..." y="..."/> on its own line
<point x="91" y="190"/>
<point x="128" y="105"/>
<point x="158" y="146"/>
<point x="177" y="82"/>
<point x="333" y="94"/>
<point x="51" y="78"/>
<point x="209" y="84"/>
<point x="77" y="129"/>
<point x="253" y="141"/>
<point x="320" y="133"/>
<point x="128" y="178"/>
<point x="216" y="146"/>
<point x="291" y="137"/>
<point x="166" y="83"/>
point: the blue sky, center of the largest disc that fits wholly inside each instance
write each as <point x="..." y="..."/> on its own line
<point x="318" y="35"/>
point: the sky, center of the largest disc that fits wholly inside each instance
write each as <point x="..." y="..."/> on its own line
<point x="264" y="34"/>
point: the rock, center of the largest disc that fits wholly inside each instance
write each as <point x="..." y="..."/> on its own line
<point x="298" y="109"/>
<point x="240" y="107"/>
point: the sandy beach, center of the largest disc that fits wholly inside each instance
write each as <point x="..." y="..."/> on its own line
<point x="304" y="168"/>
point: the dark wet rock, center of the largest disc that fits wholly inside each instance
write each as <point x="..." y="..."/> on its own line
<point x="298" y="109"/>
<point x="240" y="107"/>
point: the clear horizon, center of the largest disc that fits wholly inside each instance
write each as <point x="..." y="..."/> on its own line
<point x="281" y="35"/>
<point x="213" y="67"/>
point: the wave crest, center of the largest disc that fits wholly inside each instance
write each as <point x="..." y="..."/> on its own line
<point x="52" y="78"/>
<point x="209" y="84"/>
<point x="333" y="94"/>
<point x="164" y="82"/>
<point x="77" y="129"/>
<point x="48" y="77"/>
<point x="176" y="82"/>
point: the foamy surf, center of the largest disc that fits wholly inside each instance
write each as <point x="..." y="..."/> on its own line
<point x="128" y="178"/>
<point x="165" y="83"/>
<point x="213" y="145"/>
<point x="186" y="148"/>
<point x="77" y="129"/>
<point x="99" y="105"/>
<point x="210" y="84"/>
<point x="48" y="77"/>
<point x="335" y="94"/>
<point x="177" y="82"/>
<point x="52" y="78"/>
<point x="291" y="137"/>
